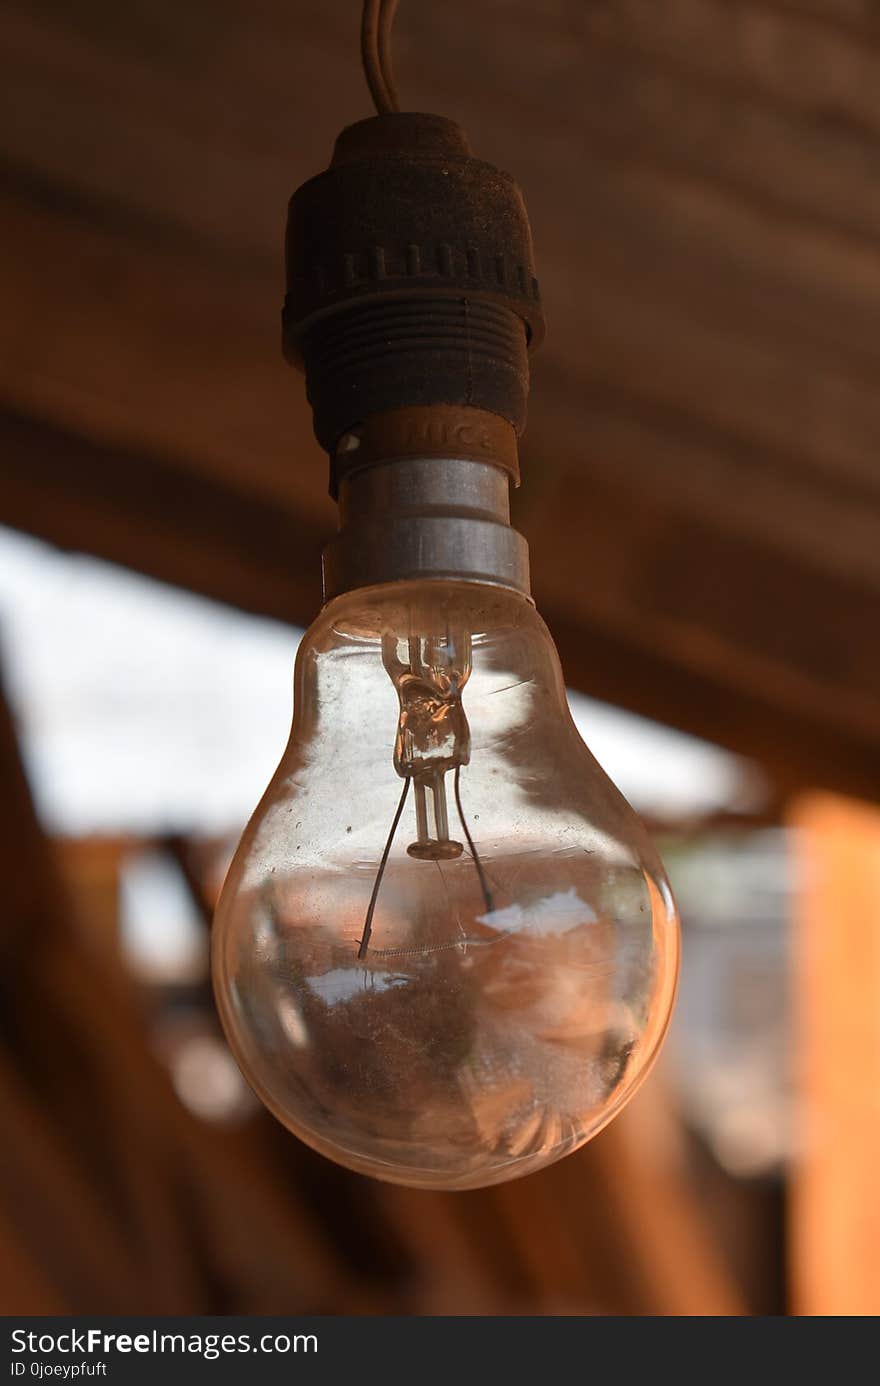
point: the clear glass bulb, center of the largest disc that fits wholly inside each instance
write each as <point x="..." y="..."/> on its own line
<point x="445" y="953"/>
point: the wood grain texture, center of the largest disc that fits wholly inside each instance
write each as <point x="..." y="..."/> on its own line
<point x="701" y="490"/>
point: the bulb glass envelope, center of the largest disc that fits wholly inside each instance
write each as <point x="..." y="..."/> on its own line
<point x="480" y="1000"/>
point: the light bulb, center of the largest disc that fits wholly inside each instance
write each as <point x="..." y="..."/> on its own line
<point x="446" y="951"/>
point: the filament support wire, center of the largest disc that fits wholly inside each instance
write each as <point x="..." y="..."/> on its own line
<point x="383" y="862"/>
<point x="368" y="922"/>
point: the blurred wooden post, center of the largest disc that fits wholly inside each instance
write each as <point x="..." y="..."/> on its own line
<point x="835" y="1222"/>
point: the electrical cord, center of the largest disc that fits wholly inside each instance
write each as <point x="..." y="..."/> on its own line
<point x="376" y="22"/>
<point x="386" y="20"/>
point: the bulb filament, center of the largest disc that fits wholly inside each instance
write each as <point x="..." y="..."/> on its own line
<point x="433" y="737"/>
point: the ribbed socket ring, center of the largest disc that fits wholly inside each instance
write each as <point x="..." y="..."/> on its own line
<point x="410" y="350"/>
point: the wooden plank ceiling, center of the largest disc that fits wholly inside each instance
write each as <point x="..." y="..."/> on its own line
<point x="702" y="491"/>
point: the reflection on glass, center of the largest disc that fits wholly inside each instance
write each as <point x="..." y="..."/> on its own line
<point x="446" y="951"/>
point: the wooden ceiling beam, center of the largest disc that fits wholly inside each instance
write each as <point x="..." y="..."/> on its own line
<point x="150" y="513"/>
<point x="777" y="100"/>
<point x="156" y="516"/>
<point x="145" y="341"/>
<point x="702" y="498"/>
<point x="167" y="347"/>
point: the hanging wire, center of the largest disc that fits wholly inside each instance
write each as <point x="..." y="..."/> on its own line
<point x="376" y="22"/>
<point x="386" y="20"/>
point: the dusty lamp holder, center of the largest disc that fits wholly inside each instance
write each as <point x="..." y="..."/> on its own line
<point x="412" y="304"/>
